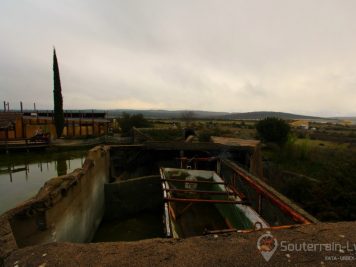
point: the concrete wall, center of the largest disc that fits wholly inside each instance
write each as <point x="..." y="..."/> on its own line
<point x="67" y="208"/>
<point x="133" y="196"/>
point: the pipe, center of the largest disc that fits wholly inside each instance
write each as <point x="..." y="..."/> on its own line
<point x="191" y="182"/>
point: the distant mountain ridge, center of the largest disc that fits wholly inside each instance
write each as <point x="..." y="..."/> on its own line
<point x="167" y="114"/>
<point x="258" y="115"/>
<point x="201" y="114"/>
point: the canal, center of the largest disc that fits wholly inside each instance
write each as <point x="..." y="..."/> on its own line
<point x="23" y="174"/>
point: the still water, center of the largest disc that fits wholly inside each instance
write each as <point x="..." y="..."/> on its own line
<point x="22" y="175"/>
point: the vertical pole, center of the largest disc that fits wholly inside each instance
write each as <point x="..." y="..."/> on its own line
<point x="92" y="122"/>
<point x="8" y="106"/>
<point x="107" y="123"/>
<point x="21" y="107"/>
<point x="10" y="175"/>
<point x="259" y="203"/>
<point x="27" y="144"/>
<point x="23" y="127"/>
<point x="34" y="107"/>
<point x="26" y="172"/>
<point x="80" y="125"/>
<point x="4" y="106"/>
<point x="7" y="142"/>
<point x="66" y="126"/>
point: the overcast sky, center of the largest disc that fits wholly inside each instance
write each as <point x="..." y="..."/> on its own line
<point x="241" y="55"/>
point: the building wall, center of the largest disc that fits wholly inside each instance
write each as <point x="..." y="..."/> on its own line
<point x="26" y="128"/>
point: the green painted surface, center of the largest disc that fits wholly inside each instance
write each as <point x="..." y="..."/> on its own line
<point x="142" y="226"/>
<point x="203" y="216"/>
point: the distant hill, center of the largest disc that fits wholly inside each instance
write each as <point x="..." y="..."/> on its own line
<point x="352" y="119"/>
<point x="258" y="115"/>
<point x="199" y="114"/>
<point x="169" y="114"/>
<point x="166" y="114"/>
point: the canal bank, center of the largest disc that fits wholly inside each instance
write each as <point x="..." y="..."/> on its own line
<point x="23" y="174"/>
<point x="72" y="207"/>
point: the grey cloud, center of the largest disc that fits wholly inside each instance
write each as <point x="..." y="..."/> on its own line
<point x="230" y="56"/>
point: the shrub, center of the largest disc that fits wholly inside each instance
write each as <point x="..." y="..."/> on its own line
<point x="273" y="130"/>
<point x="127" y="122"/>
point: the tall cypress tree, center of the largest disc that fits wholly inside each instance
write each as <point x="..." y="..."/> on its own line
<point x="58" y="100"/>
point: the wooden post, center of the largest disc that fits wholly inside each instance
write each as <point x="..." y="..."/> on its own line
<point x="6" y="143"/>
<point x="80" y="125"/>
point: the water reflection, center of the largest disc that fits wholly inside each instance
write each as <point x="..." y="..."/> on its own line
<point x="21" y="176"/>
<point x="61" y="167"/>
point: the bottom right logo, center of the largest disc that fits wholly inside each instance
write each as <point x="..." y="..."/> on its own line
<point x="267" y="245"/>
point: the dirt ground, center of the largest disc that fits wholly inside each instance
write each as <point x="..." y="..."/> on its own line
<point x="237" y="249"/>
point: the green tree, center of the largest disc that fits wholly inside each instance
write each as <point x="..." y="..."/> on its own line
<point x="57" y="96"/>
<point x="127" y="122"/>
<point x="273" y="130"/>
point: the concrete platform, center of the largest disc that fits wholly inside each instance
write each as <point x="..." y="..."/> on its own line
<point x="237" y="249"/>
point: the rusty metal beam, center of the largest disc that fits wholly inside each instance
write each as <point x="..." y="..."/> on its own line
<point x="267" y="194"/>
<point x="223" y="231"/>
<point x="191" y="182"/>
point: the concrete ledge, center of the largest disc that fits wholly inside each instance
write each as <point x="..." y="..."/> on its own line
<point x="236" y="249"/>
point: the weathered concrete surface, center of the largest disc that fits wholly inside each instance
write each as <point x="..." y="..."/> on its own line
<point x="224" y="250"/>
<point x="66" y="208"/>
<point x="133" y="196"/>
<point x="7" y="239"/>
